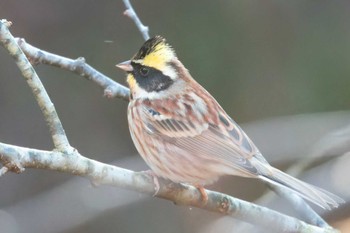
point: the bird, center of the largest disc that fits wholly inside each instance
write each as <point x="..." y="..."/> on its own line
<point x="185" y="136"/>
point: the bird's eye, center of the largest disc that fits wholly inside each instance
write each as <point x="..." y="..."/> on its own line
<point x="144" y="71"/>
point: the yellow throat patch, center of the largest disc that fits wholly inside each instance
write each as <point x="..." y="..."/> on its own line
<point x="131" y="81"/>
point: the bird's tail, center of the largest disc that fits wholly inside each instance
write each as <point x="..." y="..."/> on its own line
<point x="311" y="193"/>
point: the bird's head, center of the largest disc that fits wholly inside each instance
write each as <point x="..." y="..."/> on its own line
<point x="154" y="71"/>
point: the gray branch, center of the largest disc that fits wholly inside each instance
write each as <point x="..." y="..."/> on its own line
<point x="130" y="12"/>
<point x="79" y="66"/>
<point x="100" y="173"/>
<point x="59" y="137"/>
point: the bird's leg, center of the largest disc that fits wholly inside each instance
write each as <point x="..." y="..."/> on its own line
<point x="204" y="194"/>
<point x="155" y="181"/>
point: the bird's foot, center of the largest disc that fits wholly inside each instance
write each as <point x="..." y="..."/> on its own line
<point x="203" y="193"/>
<point x="155" y="181"/>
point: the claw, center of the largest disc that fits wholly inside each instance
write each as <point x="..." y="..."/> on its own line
<point x="155" y="181"/>
<point x="204" y="194"/>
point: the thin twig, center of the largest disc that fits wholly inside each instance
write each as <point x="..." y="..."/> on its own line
<point x="79" y="66"/>
<point x="303" y="209"/>
<point x="130" y="12"/>
<point x="59" y="137"/>
<point x="101" y="173"/>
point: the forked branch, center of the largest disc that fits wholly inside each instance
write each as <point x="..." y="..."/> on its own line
<point x="59" y="137"/>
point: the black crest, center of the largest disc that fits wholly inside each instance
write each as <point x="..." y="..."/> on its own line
<point x="148" y="47"/>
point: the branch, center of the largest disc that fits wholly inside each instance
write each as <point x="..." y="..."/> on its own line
<point x="37" y="56"/>
<point x="300" y="205"/>
<point x="130" y="12"/>
<point x="100" y="173"/>
<point x="59" y="137"/>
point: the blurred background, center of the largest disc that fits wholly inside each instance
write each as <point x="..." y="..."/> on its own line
<point x="279" y="68"/>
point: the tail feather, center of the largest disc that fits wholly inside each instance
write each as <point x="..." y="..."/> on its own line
<point x="311" y="193"/>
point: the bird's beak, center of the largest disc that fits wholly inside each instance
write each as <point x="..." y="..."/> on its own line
<point x="126" y="66"/>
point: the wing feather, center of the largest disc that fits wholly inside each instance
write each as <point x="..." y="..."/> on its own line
<point x="209" y="142"/>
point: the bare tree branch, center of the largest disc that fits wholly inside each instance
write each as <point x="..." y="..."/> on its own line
<point x="100" y="173"/>
<point x="130" y="12"/>
<point x="79" y="66"/>
<point x="300" y="205"/>
<point x="59" y="137"/>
